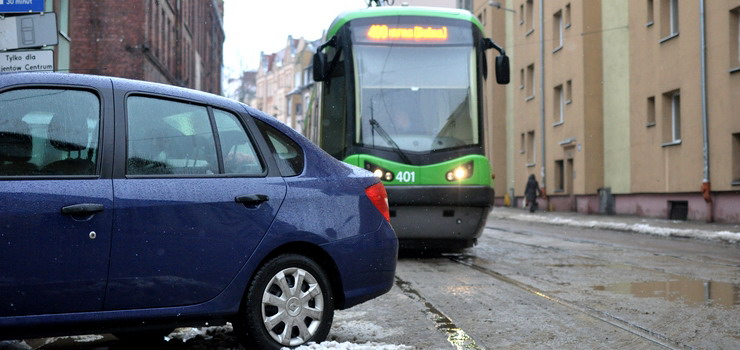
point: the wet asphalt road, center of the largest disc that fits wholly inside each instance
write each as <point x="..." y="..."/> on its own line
<point x="534" y="286"/>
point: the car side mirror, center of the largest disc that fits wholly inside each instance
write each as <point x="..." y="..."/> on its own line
<point x="503" y="75"/>
<point x="320" y="66"/>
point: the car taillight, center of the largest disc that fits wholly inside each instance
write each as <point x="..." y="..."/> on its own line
<point x="379" y="197"/>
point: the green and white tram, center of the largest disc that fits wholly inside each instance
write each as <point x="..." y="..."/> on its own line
<point x="401" y="95"/>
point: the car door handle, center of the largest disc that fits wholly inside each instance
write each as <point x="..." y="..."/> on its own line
<point x="84" y="208"/>
<point x="252" y="199"/>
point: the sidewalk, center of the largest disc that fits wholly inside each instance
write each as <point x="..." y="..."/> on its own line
<point x="659" y="227"/>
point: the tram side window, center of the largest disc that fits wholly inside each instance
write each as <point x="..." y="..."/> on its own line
<point x="333" y="117"/>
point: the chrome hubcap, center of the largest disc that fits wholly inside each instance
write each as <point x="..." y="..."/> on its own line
<point x="292" y="306"/>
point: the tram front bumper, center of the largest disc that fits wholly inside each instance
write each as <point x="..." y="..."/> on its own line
<point x="439" y="214"/>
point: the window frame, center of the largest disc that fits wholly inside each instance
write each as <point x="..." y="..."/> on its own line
<point x="102" y="163"/>
<point x="558" y="105"/>
<point x="258" y="147"/>
<point x="669" y="20"/>
<point x="558" y="29"/>
<point x="530" y="90"/>
<point x="672" y="118"/>
<point x="734" y="43"/>
<point x="273" y="152"/>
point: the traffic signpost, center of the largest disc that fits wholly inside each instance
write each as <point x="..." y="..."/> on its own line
<point x="24" y="25"/>
<point x="26" y="61"/>
<point x="21" y="6"/>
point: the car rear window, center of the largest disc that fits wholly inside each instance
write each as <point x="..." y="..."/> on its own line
<point x="49" y="132"/>
<point x="287" y="153"/>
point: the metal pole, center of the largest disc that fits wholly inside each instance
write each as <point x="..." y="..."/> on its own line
<point x="543" y="166"/>
<point x="706" y="184"/>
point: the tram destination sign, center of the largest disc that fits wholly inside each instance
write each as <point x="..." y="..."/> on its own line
<point x="26" y="61"/>
<point x="21" y="6"/>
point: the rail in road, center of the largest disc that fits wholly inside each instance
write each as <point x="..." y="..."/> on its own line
<point x="460" y="339"/>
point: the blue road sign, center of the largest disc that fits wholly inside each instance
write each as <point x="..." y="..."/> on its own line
<point x="24" y="6"/>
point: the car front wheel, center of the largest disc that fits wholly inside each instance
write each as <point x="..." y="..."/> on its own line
<point x="288" y="303"/>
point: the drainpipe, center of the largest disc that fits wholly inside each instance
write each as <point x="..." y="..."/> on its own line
<point x="706" y="188"/>
<point x="543" y="172"/>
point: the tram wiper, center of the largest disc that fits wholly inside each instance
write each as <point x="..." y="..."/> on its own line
<point x="376" y="126"/>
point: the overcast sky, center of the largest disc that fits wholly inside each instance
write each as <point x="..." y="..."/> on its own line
<point x="252" y="26"/>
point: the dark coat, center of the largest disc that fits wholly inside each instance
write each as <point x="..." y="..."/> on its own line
<point x="532" y="190"/>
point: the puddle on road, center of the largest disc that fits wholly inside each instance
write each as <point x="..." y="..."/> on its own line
<point x="693" y="292"/>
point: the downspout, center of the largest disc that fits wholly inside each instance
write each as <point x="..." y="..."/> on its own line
<point x="543" y="167"/>
<point x="706" y="188"/>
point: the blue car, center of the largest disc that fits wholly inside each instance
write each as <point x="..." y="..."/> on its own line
<point x="128" y="206"/>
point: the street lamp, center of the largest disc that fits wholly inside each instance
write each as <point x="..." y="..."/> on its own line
<point x="497" y="4"/>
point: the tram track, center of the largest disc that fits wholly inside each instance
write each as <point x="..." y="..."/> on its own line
<point x="599" y="259"/>
<point x="705" y="260"/>
<point x="601" y="316"/>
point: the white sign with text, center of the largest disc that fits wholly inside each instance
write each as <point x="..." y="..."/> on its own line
<point x="26" y="61"/>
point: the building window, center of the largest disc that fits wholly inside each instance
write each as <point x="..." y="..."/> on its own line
<point x="557" y="30"/>
<point x="530" y="148"/>
<point x="558" y="105"/>
<point x="650" y="16"/>
<point x="521" y="14"/>
<point x="735" y="39"/>
<point x="650" y="111"/>
<point x="522" y="144"/>
<point x="736" y="159"/>
<point x="530" y="80"/>
<point x="567" y="16"/>
<point x="559" y="176"/>
<point x="521" y="79"/>
<point x="530" y="16"/>
<point x="672" y="118"/>
<point x="569" y="92"/>
<point x="669" y="19"/>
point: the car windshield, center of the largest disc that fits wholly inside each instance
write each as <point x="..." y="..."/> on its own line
<point x="419" y="95"/>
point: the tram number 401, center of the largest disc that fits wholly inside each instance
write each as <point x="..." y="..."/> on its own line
<point x="406" y="176"/>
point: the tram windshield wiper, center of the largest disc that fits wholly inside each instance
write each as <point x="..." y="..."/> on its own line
<point x="376" y="126"/>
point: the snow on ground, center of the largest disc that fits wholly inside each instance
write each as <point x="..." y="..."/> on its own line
<point x="726" y="236"/>
<point x="353" y="327"/>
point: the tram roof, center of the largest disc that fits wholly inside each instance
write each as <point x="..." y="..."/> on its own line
<point x="384" y="11"/>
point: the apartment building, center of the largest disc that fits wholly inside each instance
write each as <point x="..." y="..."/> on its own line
<point x="284" y="80"/>
<point x="615" y="106"/>
<point x="174" y="42"/>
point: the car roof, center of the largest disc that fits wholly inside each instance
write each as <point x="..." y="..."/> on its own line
<point x="132" y="85"/>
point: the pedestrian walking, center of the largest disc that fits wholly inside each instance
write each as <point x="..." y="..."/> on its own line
<point x="531" y="192"/>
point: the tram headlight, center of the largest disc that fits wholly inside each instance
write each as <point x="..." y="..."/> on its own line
<point x="461" y="172"/>
<point x="379" y="172"/>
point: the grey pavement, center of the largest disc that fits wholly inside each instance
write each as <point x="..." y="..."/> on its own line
<point x="728" y="233"/>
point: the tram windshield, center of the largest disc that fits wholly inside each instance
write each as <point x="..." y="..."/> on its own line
<point x="422" y="96"/>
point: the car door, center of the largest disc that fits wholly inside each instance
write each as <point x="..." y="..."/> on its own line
<point x="194" y="200"/>
<point x="55" y="199"/>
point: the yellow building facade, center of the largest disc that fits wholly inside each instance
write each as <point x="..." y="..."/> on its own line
<point x="627" y="107"/>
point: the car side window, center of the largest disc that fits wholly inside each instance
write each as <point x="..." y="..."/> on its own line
<point x="168" y="137"/>
<point x="236" y="148"/>
<point x="288" y="154"/>
<point x="47" y="132"/>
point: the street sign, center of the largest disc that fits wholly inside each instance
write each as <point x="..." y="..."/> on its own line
<point x="26" y="61"/>
<point x="16" y="6"/>
<point x="28" y="31"/>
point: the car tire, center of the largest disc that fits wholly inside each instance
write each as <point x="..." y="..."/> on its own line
<point x="288" y="303"/>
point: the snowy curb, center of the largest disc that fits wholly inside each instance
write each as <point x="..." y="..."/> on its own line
<point x="725" y="236"/>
